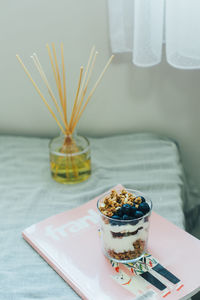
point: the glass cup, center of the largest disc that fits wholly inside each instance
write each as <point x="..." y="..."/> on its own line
<point x="124" y="241"/>
<point x="70" y="159"/>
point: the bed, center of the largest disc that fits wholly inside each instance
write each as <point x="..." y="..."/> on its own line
<point x="28" y="194"/>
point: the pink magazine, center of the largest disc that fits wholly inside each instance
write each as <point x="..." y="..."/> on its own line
<point x="70" y="244"/>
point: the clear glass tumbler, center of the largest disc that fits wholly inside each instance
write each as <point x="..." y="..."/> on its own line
<point x="124" y="241"/>
<point x="70" y="160"/>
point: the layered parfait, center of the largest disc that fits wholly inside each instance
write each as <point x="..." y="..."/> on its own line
<point x="124" y="224"/>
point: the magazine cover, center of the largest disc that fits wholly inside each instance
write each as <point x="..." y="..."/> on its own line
<point x="70" y="244"/>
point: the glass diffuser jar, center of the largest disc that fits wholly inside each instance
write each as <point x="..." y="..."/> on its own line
<point x="70" y="159"/>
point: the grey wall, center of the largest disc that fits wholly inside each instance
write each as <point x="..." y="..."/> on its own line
<point x="129" y="99"/>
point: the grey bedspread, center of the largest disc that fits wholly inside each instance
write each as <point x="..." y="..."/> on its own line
<point x="28" y="195"/>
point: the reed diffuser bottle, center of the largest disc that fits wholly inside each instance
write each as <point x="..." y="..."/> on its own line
<point x="69" y="153"/>
<point x="70" y="158"/>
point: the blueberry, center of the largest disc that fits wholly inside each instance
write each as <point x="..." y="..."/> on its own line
<point x="126" y="217"/>
<point x="132" y="211"/>
<point x="115" y="220"/>
<point x="143" y="199"/>
<point x="115" y="217"/>
<point x="138" y="214"/>
<point x="119" y="212"/>
<point x="125" y="208"/>
<point x="144" y="207"/>
<point x="133" y="222"/>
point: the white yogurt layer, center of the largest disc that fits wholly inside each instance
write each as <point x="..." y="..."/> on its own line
<point x="125" y="243"/>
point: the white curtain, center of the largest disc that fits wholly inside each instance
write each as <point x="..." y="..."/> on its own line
<point x="143" y="26"/>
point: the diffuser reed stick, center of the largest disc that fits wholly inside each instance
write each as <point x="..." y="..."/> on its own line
<point x="41" y="95"/>
<point x="84" y="92"/>
<point x="92" y="91"/>
<point x="43" y="76"/>
<point x="64" y="83"/>
<point x="77" y="95"/>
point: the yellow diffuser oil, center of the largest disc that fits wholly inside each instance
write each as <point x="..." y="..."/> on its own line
<point x="70" y="159"/>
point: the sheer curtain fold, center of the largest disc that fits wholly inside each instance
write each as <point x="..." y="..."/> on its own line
<point x="142" y="26"/>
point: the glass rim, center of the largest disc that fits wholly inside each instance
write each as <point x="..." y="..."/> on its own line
<point x="68" y="154"/>
<point x="131" y="220"/>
